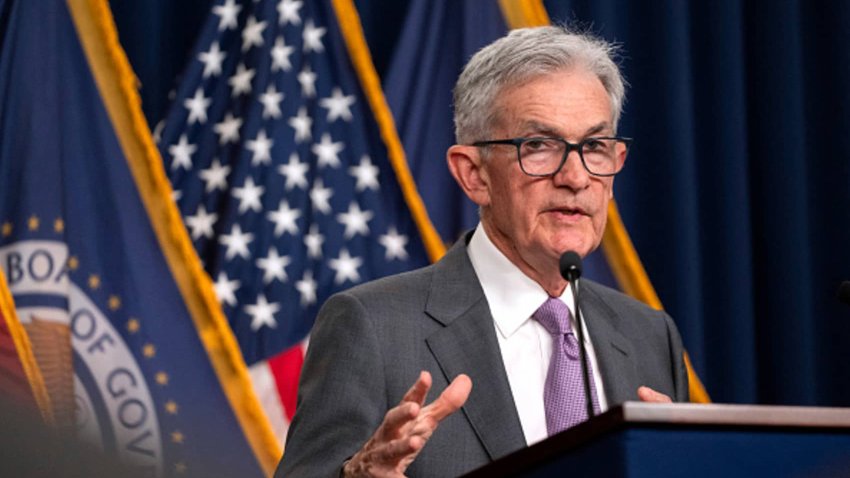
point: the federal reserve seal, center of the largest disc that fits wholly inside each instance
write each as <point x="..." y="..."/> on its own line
<point x="94" y="380"/>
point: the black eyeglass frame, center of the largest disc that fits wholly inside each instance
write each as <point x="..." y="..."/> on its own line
<point x="569" y="147"/>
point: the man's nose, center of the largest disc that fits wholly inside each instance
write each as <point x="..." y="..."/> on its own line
<point x="573" y="173"/>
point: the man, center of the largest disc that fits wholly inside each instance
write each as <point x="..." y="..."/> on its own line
<point x="487" y="329"/>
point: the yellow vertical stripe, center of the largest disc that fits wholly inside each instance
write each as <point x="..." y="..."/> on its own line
<point x="616" y="244"/>
<point x="524" y="13"/>
<point x="23" y="347"/>
<point x="117" y="85"/>
<point x="352" y="31"/>
<point x="624" y="261"/>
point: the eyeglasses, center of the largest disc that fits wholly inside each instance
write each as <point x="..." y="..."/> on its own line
<point x="601" y="156"/>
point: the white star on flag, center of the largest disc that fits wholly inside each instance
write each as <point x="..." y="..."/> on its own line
<point x="307" y="288"/>
<point x="366" y="175"/>
<point x="249" y="196"/>
<point x="345" y="267"/>
<point x="228" y="14"/>
<point x="288" y="12"/>
<point x="314" y="240"/>
<point x="280" y="56"/>
<point x="327" y="152"/>
<point x="307" y="80"/>
<point x="338" y="105"/>
<point x="215" y="177"/>
<point x="271" y="102"/>
<point x="157" y="131"/>
<point x="394" y="243"/>
<point x="262" y="313"/>
<point x="197" y="106"/>
<point x="274" y="266"/>
<point x="181" y="153"/>
<point x="295" y="172"/>
<point x="225" y="289"/>
<point x="201" y="223"/>
<point x="241" y="80"/>
<point x="320" y="197"/>
<point x="284" y="219"/>
<point x="228" y="129"/>
<point x="355" y="220"/>
<point x="252" y="35"/>
<point x="302" y="122"/>
<point x="236" y="242"/>
<point x="212" y="60"/>
<point x="313" y="37"/>
<point x="261" y="147"/>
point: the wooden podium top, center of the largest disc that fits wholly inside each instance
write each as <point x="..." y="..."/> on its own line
<point x="673" y="416"/>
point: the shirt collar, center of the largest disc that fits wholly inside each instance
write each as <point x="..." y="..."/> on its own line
<point x="513" y="296"/>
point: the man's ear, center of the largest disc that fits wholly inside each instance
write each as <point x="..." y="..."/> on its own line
<point x="467" y="167"/>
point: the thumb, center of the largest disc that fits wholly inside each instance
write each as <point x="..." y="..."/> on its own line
<point x="452" y="398"/>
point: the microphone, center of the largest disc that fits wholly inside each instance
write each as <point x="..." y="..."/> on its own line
<point x="570" y="267"/>
<point x="844" y="292"/>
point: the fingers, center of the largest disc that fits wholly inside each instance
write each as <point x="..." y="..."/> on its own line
<point x="409" y="419"/>
<point x="408" y="408"/>
<point x="397" y="418"/>
<point x="406" y="428"/>
<point x="647" y="394"/>
<point x="419" y="389"/>
<point x="452" y="398"/>
<point x="396" y="450"/>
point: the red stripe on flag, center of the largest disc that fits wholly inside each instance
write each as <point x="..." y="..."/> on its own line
<point x="286" y="369"/>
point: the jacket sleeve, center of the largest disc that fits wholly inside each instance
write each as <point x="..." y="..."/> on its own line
<point x="677" y="358"/>
<point x="341" y="394"/>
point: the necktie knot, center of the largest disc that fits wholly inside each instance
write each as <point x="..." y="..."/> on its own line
<point x="554" y="316"/>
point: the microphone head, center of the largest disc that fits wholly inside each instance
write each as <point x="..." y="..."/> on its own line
<point x="570" y="265"/>
<point x="844" y="292"/>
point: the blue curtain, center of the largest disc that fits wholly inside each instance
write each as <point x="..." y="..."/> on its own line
<point x="737" y="194"/>
<point x="737" y="191"/>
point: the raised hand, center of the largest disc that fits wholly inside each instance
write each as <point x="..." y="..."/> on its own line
<point x="406" y="429"/>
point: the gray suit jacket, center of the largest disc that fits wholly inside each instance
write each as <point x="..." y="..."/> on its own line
<point x="370" y="343"/>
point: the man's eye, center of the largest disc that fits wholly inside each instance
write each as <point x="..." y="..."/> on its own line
<point x="594" y="145"/>
<point x="538" y="144"/>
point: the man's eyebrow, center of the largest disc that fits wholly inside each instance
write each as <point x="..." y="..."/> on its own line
<point x="597" y="129"/>
<point x="537" y="128"/>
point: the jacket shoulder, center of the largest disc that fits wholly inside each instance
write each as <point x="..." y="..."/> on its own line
<point x="618" y="301"/>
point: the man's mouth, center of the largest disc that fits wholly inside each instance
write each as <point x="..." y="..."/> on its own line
<point x="574" y="212"/>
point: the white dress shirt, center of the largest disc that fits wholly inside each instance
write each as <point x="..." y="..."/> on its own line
<point x="525" y="345"/>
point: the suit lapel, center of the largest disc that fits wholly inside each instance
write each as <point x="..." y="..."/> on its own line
<point x="614" y="352"/>
<point x="467" y="344"/>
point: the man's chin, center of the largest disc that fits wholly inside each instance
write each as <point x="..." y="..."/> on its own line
<point x="582" y="247"/>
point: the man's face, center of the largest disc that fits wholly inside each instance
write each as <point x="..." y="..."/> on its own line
<point x="531" y="219"/>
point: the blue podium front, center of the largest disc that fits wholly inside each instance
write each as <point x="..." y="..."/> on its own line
<point x="638" y="440"/>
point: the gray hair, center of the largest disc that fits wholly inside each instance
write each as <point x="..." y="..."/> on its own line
<point x="520" y="56"/>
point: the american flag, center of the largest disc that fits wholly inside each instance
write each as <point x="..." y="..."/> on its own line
<point x="282" y="178"/>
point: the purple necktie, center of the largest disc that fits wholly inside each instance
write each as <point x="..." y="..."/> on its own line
<point x="563" y="395"/>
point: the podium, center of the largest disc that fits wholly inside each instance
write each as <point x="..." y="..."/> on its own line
<point x="638" y="440"/>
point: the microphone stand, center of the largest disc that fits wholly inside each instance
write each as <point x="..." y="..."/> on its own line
<point x="574" y="286"/>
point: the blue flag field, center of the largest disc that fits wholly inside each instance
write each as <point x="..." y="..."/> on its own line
<point x="135" y="353"/>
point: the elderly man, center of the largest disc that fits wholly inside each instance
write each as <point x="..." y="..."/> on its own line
<point x="485" y="335"/>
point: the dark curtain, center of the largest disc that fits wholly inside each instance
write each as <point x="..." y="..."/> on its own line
<point x="737" y="194"/>
<point x="737" y="191"/>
